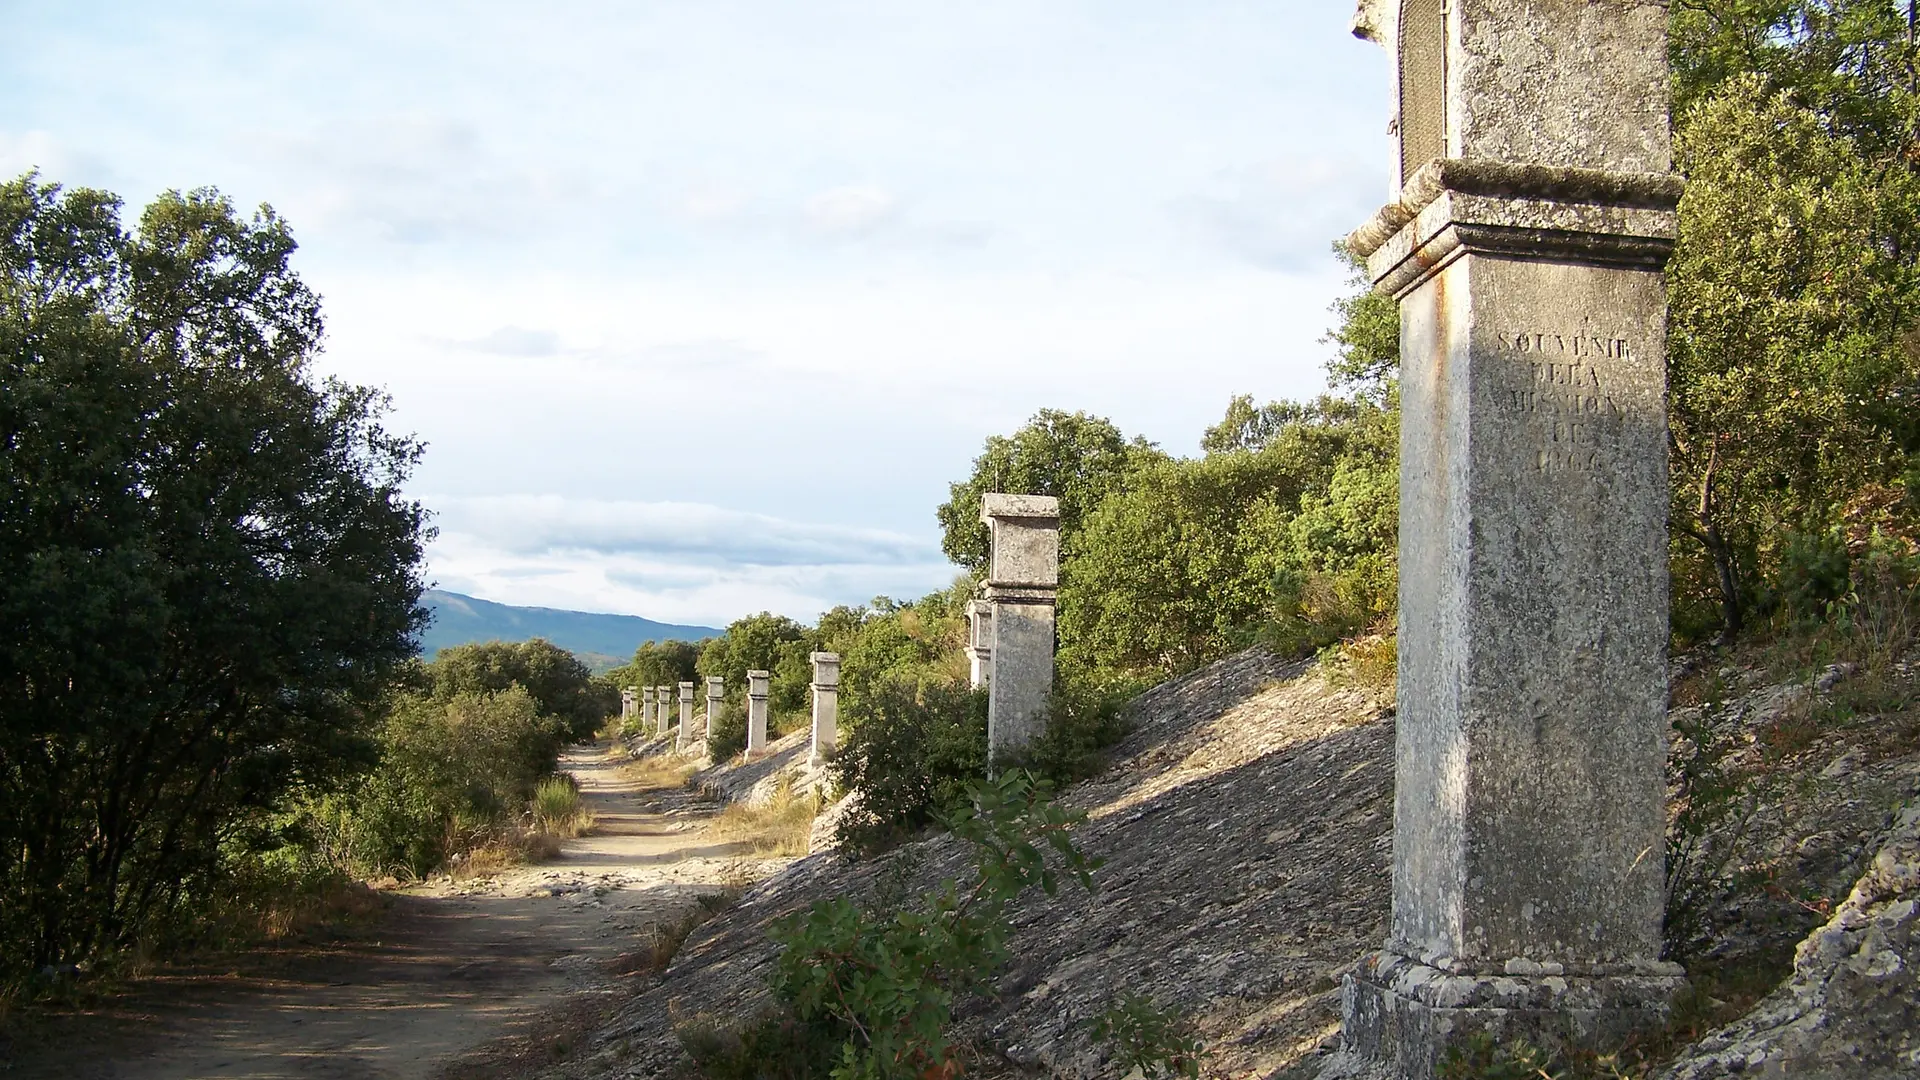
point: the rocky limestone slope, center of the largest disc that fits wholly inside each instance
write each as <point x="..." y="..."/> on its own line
<point x="1246" y="827"/>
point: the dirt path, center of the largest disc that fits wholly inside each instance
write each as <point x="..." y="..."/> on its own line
<point x="458" y="978"/>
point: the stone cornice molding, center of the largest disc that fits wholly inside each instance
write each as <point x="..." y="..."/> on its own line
<point x="1021" y="593"/>
<point x="1503" y="179"/>
<point x="1451" y="207"/>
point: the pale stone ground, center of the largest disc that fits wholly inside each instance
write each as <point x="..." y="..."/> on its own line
<point x="458" y="979"/>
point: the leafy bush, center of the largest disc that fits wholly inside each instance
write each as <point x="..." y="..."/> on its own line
<point x="870" y="993"/>
<point x="911" y="749"/>
<point x="729" y="738"/>
<point x="1083" y="719"/>
<point x="452" y="775"/>
<point x="561" y="686"/>
<point x="1147" y="1040"/>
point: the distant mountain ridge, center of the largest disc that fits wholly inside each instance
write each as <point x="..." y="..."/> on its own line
<point x="602" y="641"/>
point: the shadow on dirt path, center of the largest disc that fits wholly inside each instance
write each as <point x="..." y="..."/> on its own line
<point x="473" y="971"/>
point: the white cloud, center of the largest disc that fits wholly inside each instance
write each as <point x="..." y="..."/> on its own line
<point x="533" y="524"/>
<point x="516" y="341"/>
<point x="669" y="561"/>
<point x="849" y="211"/>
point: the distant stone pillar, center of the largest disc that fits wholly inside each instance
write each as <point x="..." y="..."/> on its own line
<point x="826" y="705"/>
<point x="758" y="684"/>
<point x="628" y="700"/>
<point x="663" y="698"/>
<point x="646" y="709"/>
<point x="716" y="694"/>
<point x="980" y="641"/>
<point x="686" y="715"/>
<point x="1022" y="580"/>
<point x="1534" y="211"/>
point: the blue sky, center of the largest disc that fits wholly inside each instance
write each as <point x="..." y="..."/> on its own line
<point x="701" y="305"/>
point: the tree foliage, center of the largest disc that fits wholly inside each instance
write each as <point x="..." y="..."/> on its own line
<point x="1074" y="457"/>
<point x="1793" y="377"/>
<point x="454" y="768"/>
<point x="659" y="663"/>
<point x="1194" y="557"/>
<point x="763" y="642"/>
<point x="211" y="575"/>
<point x="560" y="685"/>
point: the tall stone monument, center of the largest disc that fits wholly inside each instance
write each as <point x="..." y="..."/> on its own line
<point x="716" y="693"/>
<point x="628" y="700"/>
<point x="758" y="683"/>
<point x="826" y="705"/>
<point x="1023" y="577"/>
<point x="1532" y="214"/>
<point x="663" y="703"/>
<point x="646" y="710"/>
<point x="980" y="642"/>
<point x="686" y="716"/>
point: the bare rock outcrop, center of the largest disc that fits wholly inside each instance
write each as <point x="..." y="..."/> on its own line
<point x="1852" y="1005"/>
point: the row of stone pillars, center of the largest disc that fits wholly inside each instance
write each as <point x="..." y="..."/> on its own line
<point x="650" y="705"/>
<point x="1010" y="643"/>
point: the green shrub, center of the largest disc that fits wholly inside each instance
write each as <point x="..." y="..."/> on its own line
<point x="911" y="749"/>
<point x="1083" y="720"/>
<point x="1147" y="1040"/>
<point x="452" y="775"/>
<point x="1815" y="572"/>
<point x="729" y="738"/>
<point x="869" y="993"/>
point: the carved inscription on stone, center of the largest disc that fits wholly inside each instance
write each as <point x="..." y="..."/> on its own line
<point x="1567" y="396"/>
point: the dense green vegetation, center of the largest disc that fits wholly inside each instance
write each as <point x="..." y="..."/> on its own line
<point x="462" y="755"/>
<point x="208" y="692"/>
<point x="211" y="574"/>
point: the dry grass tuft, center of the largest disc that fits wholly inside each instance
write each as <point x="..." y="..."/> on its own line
<point x="662" y="941"/>
<point x="515" y="847"/>
<point x="659" y="772"/>
<point x="557" y="809"/>
<point x="781" y="827"/>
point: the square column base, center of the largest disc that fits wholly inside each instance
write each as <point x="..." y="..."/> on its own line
<point x="1401" y="1016"/>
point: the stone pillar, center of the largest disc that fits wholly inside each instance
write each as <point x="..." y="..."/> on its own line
<point x="628" y="700"/>
<point x="646" y="709"/>
<point x="1533" y="213"/>
<point x="716" y="693"/>
<point x="663" y="702"/>
<point x="686" y="715"/>
<point x="1022" y="580"/>
<point x="757" y="687"/>
<point x="826" y="705"/>
<point x="980" y="641"/>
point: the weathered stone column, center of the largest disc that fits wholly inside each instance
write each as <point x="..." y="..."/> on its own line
<point x="686" y="716"/>
<point x="757" y="688"/>
<point x="663" y="707"/>
<point x="980" y="641"/>
<point x="628" y="701"/>
<point x="826" y="705"/>
<point x="1022" y="579"/>
<point x="646" y="709"/>
<point x="716" y="694"/>
<point x="1533" y="214"/>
